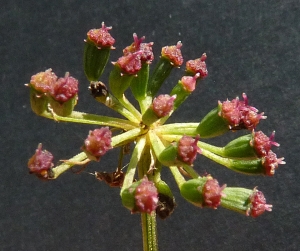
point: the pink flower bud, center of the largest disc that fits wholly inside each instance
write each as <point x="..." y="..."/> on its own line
<point x="40" y="162"/>
<point x="137" y="45"/>
<point x="188" y="149"/>
<point x="258" y="204"/>
<point x="64" y="88"/>
<point x="197" y="66"/>
<point x="212" y="193"/>
<point x="146" y="196"/>
<point x="262" y="143"/>
<point x="98" y="143"/>
<point x="270" y="163"/>
<point x="173" y="54"/>
<point x="189" y="82"/>
<point x="131" y="63"/>
<point x="163" y="105"/>
<point x="43" y="81"/>
<point x="239" y="114"/>
<point x="101" y="37"/>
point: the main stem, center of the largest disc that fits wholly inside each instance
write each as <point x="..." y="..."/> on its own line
<point x="149" y="227"/>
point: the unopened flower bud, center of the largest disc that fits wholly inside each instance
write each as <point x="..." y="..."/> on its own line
<point x="173" y="54"/>
<point x="141" y="196"/>
<point x="41" y="163"/>
<point x="42" y="82"/>
<point x="131" y="63"/>
<point x="197" y="66"/>
<point x="64" y="95"/>
<point x="270" y="163"/>
<point x="184" y="88"/>
<point x="137" y="45"/>
<point x="40" y="85"/>
<point x="262" y="143"/>
<point x="163" y="105"/>
<point x="258" y="204"/>
<point x="97" y="143"/>
<point x="64" y="88"/>
<point x="239" y="114"/>
<point x="188" y="149"/>
<point x="183" y="152"/>
<point x="98" y="44"/>
<point x="203" y="192"/>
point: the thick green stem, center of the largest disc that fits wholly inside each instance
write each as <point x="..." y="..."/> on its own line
<point x="149" y="229"/>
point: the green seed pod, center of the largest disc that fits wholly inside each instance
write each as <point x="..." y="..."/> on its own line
<point x="139" y="83"/>
<point x="166" y="201"/>
<point x="95" y="60"/>
<point x="236" y="199"/>
<point x="240" y="148"/>
<point x="169" y="156"/>
<point x="191" y="190"/>
<point x="254" y="166"/>
<point x="38" y="101"/>
<point x="161" y="72"/>
<point x="63" y="109"/>
<point x="212" y="125"/>
<point x="119" y="82"/>
<point x="127" y="196"/>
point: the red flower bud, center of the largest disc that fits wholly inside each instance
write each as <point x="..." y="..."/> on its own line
<point x="101" y="37"/>
<point x="131" y="63"/>
<point x="43" y="81"/>
<point x="146" y="196"/>
<point x="270" y="163"/>
<point x="197" y="66"/>
<point x="137" y="45"/>
<point x="258" y="204"/>
<point x="212" y="193"/>
<point x="98" y="143"/>
<point x="64" y="88"/>
<point x="262" y="144"/>
<point x="239" y="114"/>
<point x="189" y="82"/>
<point x="173" y="54"/>
<point x="163" y="105"/>
<point x="188" y="149"/>
<point x="41" y="162"/>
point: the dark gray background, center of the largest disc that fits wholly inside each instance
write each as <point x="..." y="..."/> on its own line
<point x="252" y="47"/>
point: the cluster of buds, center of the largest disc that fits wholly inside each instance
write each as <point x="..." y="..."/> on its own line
<point x="47" y="92"/>
<point x="157" y="144"/>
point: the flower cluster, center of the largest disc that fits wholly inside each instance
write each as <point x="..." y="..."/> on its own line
<point x="49" y="92"/>
<point x="157" y="143"/>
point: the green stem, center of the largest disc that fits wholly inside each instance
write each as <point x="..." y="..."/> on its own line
<point x="177" y="175"/>
<point x="124" y="101"/>
<point x="67" y="165"/>
<point x="92" y="119"/>
<point x="149" y="230"/>
<point x="135" y="158"/>
<point x="178" y="128"/>
<point x="190" y="170"/>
